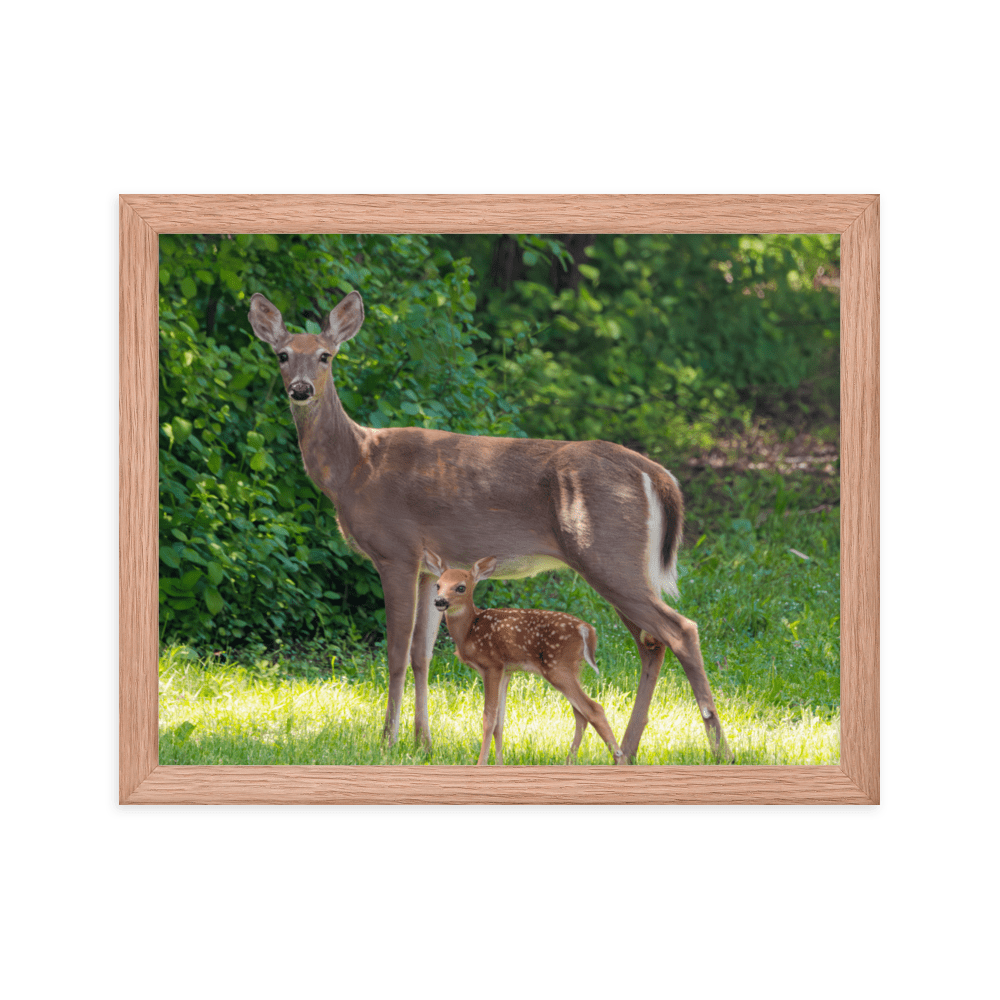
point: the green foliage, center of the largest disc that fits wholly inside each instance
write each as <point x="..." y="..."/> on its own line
<point x="663" y="339"/>
<point x="249" y="549"/>
<point x="656" y="341"/>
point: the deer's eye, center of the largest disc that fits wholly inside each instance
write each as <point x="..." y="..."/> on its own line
<point x="283" y="357"/>
<point x="323" y="358"/>
<point x="460" y="589"/>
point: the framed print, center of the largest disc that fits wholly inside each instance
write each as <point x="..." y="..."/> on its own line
<point x="144" y="219"/>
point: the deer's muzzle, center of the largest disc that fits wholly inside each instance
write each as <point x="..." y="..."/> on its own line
<point x="441" y="603"/>
<point x="300" y="390"/>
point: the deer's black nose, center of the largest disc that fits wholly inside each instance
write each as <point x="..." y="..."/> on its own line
<point x="440" y="603"/>
<point x="300" y="390"/>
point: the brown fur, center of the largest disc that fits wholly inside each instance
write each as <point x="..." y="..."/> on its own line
<point x="496" y="642"/>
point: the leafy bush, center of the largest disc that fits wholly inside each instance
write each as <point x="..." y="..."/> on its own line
<point x="655" y="340"/>
<point x="249" y="548"/>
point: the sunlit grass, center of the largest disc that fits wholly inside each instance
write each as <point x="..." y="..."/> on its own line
<point x="221" y="714"/>
<point x="769" y="623"/>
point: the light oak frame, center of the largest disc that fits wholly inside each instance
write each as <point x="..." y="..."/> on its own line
<point x="143" y="217"/>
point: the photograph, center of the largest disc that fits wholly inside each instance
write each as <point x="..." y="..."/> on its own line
<point x="499" y="499"/>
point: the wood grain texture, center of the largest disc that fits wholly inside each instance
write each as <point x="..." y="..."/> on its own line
<point x="855" y="217"/>
<point x="859" y="518"/>
<point x="566" y="785"/>
<point x="138" y="472"/>
<point x="439" y="213"/>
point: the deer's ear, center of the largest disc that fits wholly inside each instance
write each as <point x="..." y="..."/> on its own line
<point x="484" y="568"/>
<point x="434" y="562"/>
<point x="344" y="320"/>
<point x="267" y="322"/>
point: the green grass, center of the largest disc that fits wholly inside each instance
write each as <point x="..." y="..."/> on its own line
<point x="770" y="635"/>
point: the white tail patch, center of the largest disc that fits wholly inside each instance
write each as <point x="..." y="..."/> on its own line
<point x="588" y="653"/>
<point x="661" y="578"/>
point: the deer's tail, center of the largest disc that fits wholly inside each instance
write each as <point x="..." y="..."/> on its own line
<point x="665" y="528"/>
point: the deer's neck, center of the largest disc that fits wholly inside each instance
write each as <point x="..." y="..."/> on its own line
<point x="331" y="443"/>
<point x="459" y="623"/>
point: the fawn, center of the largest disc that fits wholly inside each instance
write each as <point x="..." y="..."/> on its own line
<point x="497" y="641"/>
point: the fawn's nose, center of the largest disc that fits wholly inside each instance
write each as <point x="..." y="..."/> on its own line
<point x="440" y="603"/>
<point x="300" y="390"/>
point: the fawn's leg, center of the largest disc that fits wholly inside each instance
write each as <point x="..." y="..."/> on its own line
<point x="581" y="725"/>
<point x="501" y="709"/>
<point x="491" y="702"/>
<point x="567" y="680"/>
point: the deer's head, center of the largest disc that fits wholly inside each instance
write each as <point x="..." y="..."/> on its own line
<point x="455" y="586"/>
<point x="305" y="357"/>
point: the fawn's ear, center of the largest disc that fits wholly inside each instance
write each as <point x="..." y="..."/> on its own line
<point x="267" y="322"/>
<point x="484" y="568"/>
<point x="344" y="320"/>
<point x="434" y="562"/>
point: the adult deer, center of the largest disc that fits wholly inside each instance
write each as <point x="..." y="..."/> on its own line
<point x="608" y="513"/>
<point x="497" y="642"/>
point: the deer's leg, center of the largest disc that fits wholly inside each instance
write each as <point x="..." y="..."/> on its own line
<point x="581" y="725"/>
<point x="428" y="621"/>
<point x="654" y="627"/>
<point x="399" y="584"/>
<point x="567" y="680"/>
<point x="491" y="702"/>
<point x="501" y="710"/>
<point x="688" y="651"/>
<point x="669" y="628"/>
<point x="651" y="653"/>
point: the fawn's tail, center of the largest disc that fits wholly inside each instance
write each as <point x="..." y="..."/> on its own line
<point x="589" y="645"/>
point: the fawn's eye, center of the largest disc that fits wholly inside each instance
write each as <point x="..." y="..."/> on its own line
<point x="460" y="589"/>
<point x="323" y="358"/>
<point x="283" y="357"/>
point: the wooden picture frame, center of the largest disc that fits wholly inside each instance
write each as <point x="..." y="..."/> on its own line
<point x="143" y="217"/>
